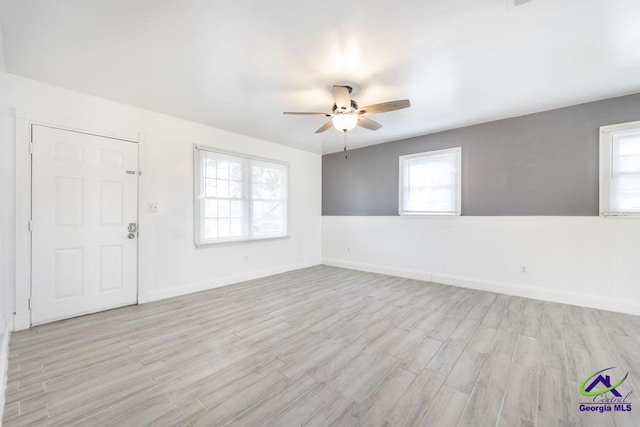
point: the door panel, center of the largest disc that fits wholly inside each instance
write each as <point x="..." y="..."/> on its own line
<point x="110" y="262"/>
<point x="68" y="273"/>
<point x="111" y="203"/>
<point x="85" y="194"/>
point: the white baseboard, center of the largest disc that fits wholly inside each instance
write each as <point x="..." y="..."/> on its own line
<point x="190" y="288"/>
<point x="21" y="321"/>
<point x="525" y="291"/>
<point x="4" y="364"/>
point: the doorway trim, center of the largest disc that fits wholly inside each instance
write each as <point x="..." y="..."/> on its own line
<point x="23" y="196"/>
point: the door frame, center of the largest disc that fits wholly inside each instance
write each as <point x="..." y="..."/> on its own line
<point x="23" y="196"/>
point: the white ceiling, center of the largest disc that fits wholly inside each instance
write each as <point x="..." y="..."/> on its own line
<point x="237" y="65"/>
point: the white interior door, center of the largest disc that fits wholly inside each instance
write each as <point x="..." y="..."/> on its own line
<point x="84" y="196"/>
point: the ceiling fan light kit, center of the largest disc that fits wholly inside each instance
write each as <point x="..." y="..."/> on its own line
<point x="345" y="114"/>
<point x="344" y="122"/>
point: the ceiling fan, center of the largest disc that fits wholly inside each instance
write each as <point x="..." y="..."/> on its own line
<point x="346" y="115"/>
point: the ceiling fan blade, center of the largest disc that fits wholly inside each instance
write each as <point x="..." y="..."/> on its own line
<point x="341" y="96"/>
<point x="306" y="114"/>
<point x="325" y="127"/>
<point x="385" y="107"/>
<point x="368" y="123"/>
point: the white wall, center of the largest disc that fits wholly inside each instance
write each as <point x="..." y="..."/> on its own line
<point x="7" y="258"/>
<point x="169" y="264"/>
<point x="588" y="261"/>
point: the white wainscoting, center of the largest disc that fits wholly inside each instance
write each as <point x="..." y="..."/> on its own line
<point x="587" y="261"/>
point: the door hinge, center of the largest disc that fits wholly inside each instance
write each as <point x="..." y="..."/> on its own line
<point x="30" y="226"/>
<point x="29" y="303"/>
<point x="31" y="147"/>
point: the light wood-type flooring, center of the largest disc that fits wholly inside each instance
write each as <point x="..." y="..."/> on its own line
<point x="324" y="346"/>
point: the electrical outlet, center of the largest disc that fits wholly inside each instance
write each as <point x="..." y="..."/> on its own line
<point x="246" y="258"/>
<point x="348" y="250"/>
<point x="152" y="207"/>
<point x="523" y="269"/>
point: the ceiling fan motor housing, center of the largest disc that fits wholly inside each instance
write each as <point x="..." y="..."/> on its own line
<point x="354" y="106"/>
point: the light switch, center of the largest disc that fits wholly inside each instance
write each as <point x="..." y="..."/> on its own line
<point x="152" y="207"/>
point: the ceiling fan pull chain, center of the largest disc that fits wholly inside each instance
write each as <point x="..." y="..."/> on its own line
<point x="345" y="144"/>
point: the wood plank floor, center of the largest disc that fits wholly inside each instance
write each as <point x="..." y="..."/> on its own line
<point x="323" y="346"/>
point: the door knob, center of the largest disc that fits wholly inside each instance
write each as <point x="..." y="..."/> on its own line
<point x="131" y="235"/>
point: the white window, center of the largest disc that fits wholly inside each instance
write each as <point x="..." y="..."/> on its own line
<point x="238" y="198"/>
<point x="620" y="169"/>
<point x="430" y="183"/>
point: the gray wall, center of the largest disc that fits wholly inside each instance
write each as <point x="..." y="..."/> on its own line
<point x="539" y="164"/>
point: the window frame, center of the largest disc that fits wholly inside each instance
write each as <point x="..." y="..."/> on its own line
<point x="458" y="184"/>
<point x="607" y="135"/>
<point x="198" y="199"/>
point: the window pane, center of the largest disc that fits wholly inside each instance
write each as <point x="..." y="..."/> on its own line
<point x="256" y="182"/>
<point x="629" y="146"/>
<point x="210" y="208"/>
<point x="228" y="183"/>
<point x="211" y="228"/>
<point x="223" y="170"/>
<point x="430" y="182"/>
<point x="268" y="219"/>
<point x="210" y="168"/>
<point x="222" y="188"/>
<point x="224" y="228"/>
<point x="224" y="208"/>
<point x="236" y="227"/>
<point x="235" y="189"/>
<point x="268" y="190"/>
<point x="627" y="164"/>
<point x="628" y="202"/>
<point x="235" y="171"/>
<point x="266" y="183"/>
<point x="210" y="188"/>
<point x="627" y="183"/>
<point x="236" y="209"/>
<point x="431" y="173"/>
<point x="625" y="195"/>
<point x="271" y="184"/>
<point x="431" y="200"/>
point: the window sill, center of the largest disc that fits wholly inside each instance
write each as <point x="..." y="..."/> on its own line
<point x="429" y="214"/>
<point x="239" y="241"/>
<point x="620" y="214"/>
